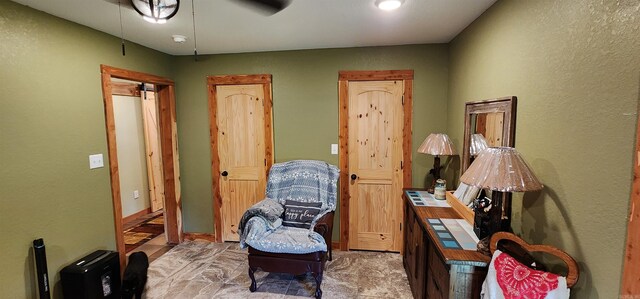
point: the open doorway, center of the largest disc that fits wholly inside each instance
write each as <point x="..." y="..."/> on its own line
<point x="140" y="166"/>
<point x="160" y="171"/>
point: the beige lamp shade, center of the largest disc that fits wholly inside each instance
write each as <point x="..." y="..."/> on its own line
<point x="478" y="144"/>
<point x="501" y="169"/>
<point x="437" y="144"/>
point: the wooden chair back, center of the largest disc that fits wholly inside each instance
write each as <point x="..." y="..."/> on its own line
<point x="572" y="266"/>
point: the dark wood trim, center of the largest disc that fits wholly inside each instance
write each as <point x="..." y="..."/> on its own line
<point x="166" y="97"/>
<point x="200" y="236"/>
<point x="375" y="75"/>
<point x="172" y="199"/>
<point x="125" y="89"/>
<point x="268" y="125"/>
<point x="631" y="275"/>
<point x="407" y="133"/>
<point x="343" y="135"/>
<point x="239" y="79"/>
<point x="119" y="73"/>
<point x="343" y="164"/>
<point x="212" y="82"/>
<point x="335" y="245"/>
<point x="136" y="215"/>
<point x="215" y="160"/>
<point x="114" y="175"/>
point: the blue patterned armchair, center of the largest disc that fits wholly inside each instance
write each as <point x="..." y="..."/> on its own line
<point x="290" y="230"/>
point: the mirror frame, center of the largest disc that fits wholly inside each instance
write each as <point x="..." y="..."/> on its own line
<point x="506" y="105"/>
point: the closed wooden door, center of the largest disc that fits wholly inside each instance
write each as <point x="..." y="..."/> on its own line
<point x="241" y="149"/>
<point x="375" y="170"/>
<point x="152" y="147"/>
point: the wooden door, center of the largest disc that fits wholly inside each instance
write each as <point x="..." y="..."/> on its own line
<point x="152" y="147"/>
<point x="241" y="149"/>
<point x="375" y="155"/>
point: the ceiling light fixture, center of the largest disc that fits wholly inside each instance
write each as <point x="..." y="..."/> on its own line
<point x="181" y="39"/>
<point x="156" y="11"/>
<point x="388" y="4"/>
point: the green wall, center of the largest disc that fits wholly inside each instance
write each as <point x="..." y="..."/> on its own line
<point x="52" y="118"/>
<point x="574" y="66"/>
<point x="305" y="108"/>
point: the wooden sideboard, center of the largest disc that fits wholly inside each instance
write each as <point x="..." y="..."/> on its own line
<point x="433" y="271"/>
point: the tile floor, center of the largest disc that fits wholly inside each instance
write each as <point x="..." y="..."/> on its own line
<point x="199" y="269"/>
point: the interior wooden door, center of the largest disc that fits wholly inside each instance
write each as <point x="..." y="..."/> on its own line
<point x="375" y="126"/>
<point x="241" y="151"/>
<point x="152" y="147"/>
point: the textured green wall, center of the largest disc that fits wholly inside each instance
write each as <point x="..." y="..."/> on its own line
<point x="52" y="118"/>
<point x="305" y="108"/>
<point x="574" y="66"/>
<point x="132" y="154"/>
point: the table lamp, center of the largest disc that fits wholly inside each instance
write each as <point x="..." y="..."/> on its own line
<point x="437" y="144"/>
<point x="501" y="170"/>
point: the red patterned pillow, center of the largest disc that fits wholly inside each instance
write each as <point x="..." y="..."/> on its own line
<point x="510" y="279"/>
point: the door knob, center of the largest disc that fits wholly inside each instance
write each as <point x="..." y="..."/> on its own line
<point x="354" y="176"/>
<point x="225" y="173"/>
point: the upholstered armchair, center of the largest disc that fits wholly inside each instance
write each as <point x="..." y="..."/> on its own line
<point x="290" y="230"/>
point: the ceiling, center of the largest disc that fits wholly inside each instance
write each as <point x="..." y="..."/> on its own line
<point x="226" y="26"/>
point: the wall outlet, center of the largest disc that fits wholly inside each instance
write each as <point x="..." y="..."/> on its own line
<point x="334" y="149"/>
<point x="136" y="194"/>
<point x="95" y="161"/>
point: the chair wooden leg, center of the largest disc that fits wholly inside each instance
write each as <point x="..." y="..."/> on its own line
<point x="318" y="278"/>
<point x="253" y="286"/>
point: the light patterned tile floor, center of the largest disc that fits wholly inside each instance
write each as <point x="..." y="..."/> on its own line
<point x="199" y="269"/>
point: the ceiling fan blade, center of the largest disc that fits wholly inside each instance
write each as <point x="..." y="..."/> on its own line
<point x="271" y="6"/>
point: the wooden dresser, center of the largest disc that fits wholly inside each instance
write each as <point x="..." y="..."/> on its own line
<point x="435" y="272"/>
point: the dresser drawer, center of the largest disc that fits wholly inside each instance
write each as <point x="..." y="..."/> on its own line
<point x="438" y="276"/>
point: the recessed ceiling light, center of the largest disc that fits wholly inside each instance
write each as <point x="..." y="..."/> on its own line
<point x="388" y="4"/>
<point x="179" y="38"/>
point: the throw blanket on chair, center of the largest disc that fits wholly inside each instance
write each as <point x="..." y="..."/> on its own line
<point x="305" y="181"/>
<point x="299" y="180"/>
<point x="265" y="214"/>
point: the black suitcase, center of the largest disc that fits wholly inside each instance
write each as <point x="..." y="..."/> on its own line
<point x="96" y="275"/>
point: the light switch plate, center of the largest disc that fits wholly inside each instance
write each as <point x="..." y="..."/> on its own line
<point x="136" y="194"/>
<point x="334" y="149"/>
<point x="95" y="161"/>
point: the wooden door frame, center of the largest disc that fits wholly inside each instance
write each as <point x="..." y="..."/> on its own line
<point x="212" y="82"/>
<point x="630" y="275"/>
<point x="344" y="77"/>
<point x="166" y="100"/>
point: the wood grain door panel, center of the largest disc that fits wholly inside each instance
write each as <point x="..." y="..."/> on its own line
<point x="241" y="118"/>
<point x="152" y="147"/>
<point x="375" y="157"/>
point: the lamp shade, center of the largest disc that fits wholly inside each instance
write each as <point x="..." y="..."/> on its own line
<point x="501" y="169"/>
<point x="478" y="144"/>
<point x="437" y="144"/>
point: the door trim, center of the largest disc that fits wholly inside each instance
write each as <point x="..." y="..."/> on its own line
<point x="343" y="135"/>
<point x="212" y="82"/>
<point x="166" y="99"/>
<point x="630" y="274"/>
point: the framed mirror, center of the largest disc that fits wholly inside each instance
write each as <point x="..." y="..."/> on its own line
<point x="494" y="119"/>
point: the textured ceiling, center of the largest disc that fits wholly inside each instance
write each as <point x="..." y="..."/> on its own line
<point x="227" y="26"/>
